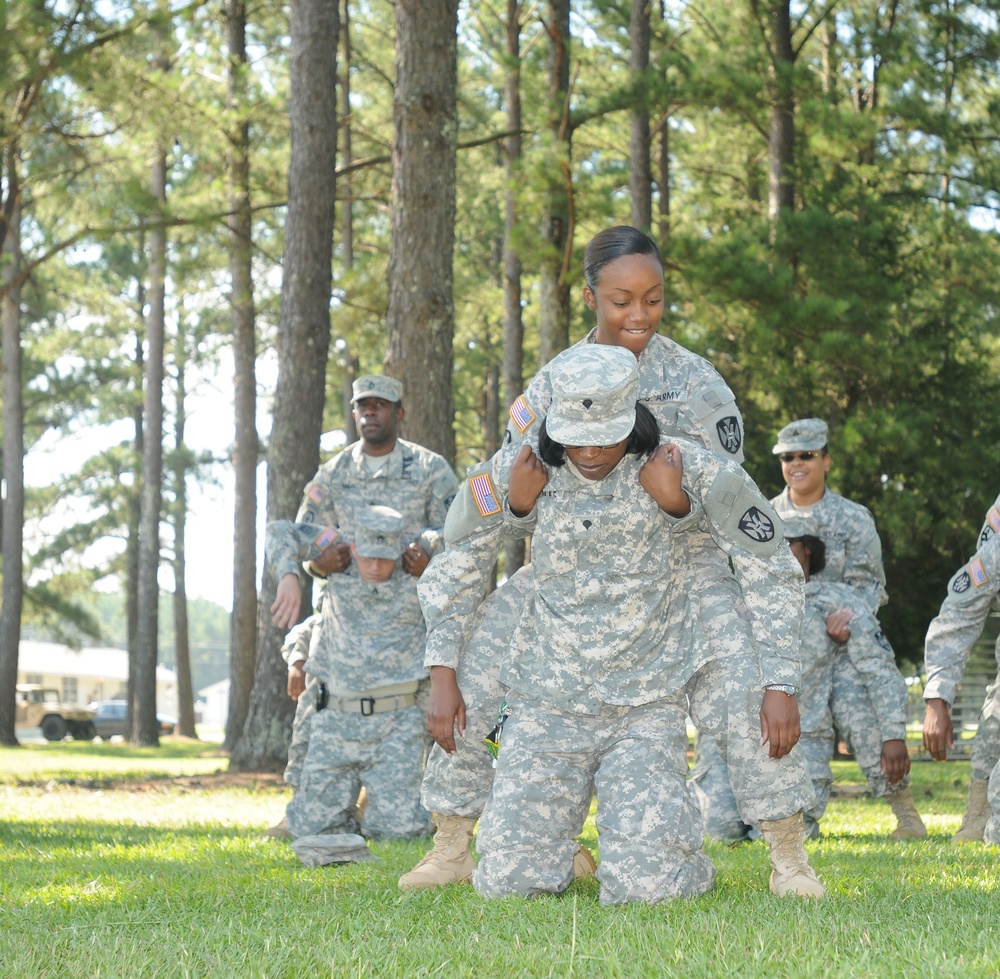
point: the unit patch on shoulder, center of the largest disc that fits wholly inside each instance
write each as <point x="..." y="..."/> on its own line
<point x="978" y="572"/>
<point x="521" y="414"/>
<point x="961" y="583"/>
<point x="728" y="430"/>
<point x="756" y="525"/>
<point x="882" y="641"/>
<point x="315" y="493"/>
<point x="326" y="537"/>
<point x="484" y="494"/>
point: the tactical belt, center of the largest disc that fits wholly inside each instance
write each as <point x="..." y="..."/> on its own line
<point x="385" y="700"/>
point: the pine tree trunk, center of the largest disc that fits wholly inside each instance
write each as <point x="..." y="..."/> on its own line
<point x="421" y="315"/>
<point x="640" y="174"/>
<point x="303" y="347"/>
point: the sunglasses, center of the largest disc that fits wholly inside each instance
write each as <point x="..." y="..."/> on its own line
<point x="803" y="456"/>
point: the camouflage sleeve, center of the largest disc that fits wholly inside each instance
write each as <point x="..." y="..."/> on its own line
<point x="716" y="418"/>
<point x="452" y="589"/>
<point x="295" y="648"/>
<point x="748" y="529"/>
<point x="442" y="491"/>
<point x="991" y="525"/>
<point x="289" y="545"/>
<point x="863" y="569"/>
<point x="971" y="593"/>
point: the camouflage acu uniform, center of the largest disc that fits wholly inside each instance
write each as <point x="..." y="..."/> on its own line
<point x="296" y="649"/>
<point x="370" y="653"/>
<point x="611" y="653"/>
<point x="972" y="592"/>
<point x="688" y="398"/>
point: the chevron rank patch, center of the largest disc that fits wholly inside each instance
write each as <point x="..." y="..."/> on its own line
<point x="977" y="572"/>
<point x="521" y="415"/>
<point x="315" y="493"/>
<point x="756" y="525"/>
<point x="484" y="494"/>
<point x="326" y="537"/>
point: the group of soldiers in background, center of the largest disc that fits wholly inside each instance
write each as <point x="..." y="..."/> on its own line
<point x="375" y="516"/>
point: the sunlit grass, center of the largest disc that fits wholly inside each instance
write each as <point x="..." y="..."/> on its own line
<point x="177" y="881"/>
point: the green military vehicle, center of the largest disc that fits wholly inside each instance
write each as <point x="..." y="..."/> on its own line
<point x="42" y="707"/>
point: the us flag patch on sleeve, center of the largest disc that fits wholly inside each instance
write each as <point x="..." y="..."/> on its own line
<point x="993" y="519"/>
<point x="977" y="572"/>
<point x="315" y="493"/>
<point x="521" y="415"/>
<point x="484" y="494"/>
<point x="327" y="536"/>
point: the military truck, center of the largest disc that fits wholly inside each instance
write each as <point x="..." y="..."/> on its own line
<point x="42" y="707"/>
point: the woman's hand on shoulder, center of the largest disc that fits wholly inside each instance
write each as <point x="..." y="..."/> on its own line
<point x="528" y="477"/>
<point x="660" y="477"/>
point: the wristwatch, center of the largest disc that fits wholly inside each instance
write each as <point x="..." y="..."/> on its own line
<point x="785" y="688"/>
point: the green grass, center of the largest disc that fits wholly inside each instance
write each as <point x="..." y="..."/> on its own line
<point x="178" y="882"/>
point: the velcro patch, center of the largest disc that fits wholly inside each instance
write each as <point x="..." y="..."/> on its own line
<point x="315" y="493"/>
<point x="521" y="415"/>
<point x="756" y="525"/>
<point x="326" y="537"/>
<point x="484" y="494"/>
<point x="962" y="583"/>
<point x="978" y="573"/>
<point x="730" y="436"/>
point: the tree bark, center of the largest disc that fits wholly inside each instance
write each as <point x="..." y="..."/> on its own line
<point x="421" y="315"/>
<point x="303" y="347"/>
<point x="781" y="145"/>
<point x="246" y="445"/>
<point x="640" y="172"/>
<point x="12" y="505"/>
<point x="557" y="222"/>
<point x="143" y="729"/>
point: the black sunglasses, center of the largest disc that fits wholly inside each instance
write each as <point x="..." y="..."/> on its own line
<point x="792" y="456"/>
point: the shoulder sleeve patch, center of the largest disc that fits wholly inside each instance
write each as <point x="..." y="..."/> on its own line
<point x="475" y="506"/>
<point x="325" y="538"/>
<point x="521" y="415"/>
<point x="484" y="494"/>
<point x="740" y="515"/>
<point x="977" y="572"/>
<point x="315" y="493"/>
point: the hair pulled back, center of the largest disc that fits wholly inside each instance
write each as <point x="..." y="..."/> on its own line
<point x="613" y="243"/>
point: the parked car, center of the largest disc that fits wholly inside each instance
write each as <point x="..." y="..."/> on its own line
<point x="109" y="719"/>
<point x="42" y="707"/>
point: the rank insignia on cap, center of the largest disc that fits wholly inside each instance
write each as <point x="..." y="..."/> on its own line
<point x="977" y="572"/>
<point x="484" y="494"/>
<point x="756" y="525"/>
<point x="961" y="583"/>
<point x="326" y="537"/>
<point x="315" y="493"/>
<point x="521" y="415"/>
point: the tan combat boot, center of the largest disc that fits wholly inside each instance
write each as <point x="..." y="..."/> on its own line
<point x="450" y="861"/>
<point x="909" y="825"/>
<point x="790" y="873"/>
<point x="977" y="814"/>
<point x="584" y="864"/>
<point x="279" y="831"/>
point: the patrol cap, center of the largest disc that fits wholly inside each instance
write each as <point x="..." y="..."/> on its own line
<point x="377" y="386"/>
<point x="594" y="390"/>
<point x="798" y="525"/>
<point x="802" y="435"/>
<point x="378" y="532"/>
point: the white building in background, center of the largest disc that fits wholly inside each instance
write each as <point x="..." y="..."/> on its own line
<point x="214" y="702"/>
<point x="84" y="675"/>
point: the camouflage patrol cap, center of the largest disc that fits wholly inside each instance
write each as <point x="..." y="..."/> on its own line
<point x="325" y="848"/>
<point x="377" y="386"/>
<point x="594" y="390"/>
<point x="379" y="532"/>
<point x="798" y="525"/>
<point x="802" y="435"/>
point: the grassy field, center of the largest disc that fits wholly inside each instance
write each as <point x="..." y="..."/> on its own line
<point x="109" y="872"/>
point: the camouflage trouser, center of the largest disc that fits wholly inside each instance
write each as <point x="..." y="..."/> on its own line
<point x="992" y="832"/>
<point x="986" y="744"/>
<point x="458" y="784"/>
<point x="857" y="722"/>
<point x="551" y="762"/>
<point x="710" y="778"/>
<point x="305" y="707"/>
<point x="724" y="700"/>
<point x="385" y="753"/>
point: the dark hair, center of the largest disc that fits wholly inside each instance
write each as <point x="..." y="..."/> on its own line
<point x="817" y="552"/>
<point x="642" y="440"/>
<point x="613" y="243"/>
